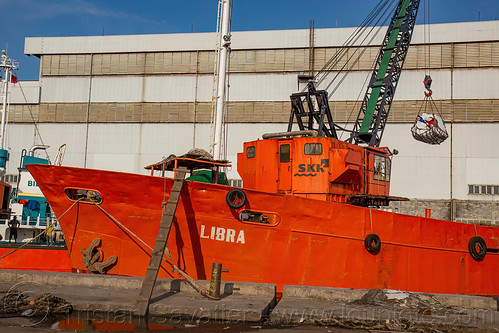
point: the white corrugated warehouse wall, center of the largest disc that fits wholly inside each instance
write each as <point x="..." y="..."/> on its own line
<point x="419" y="171"/>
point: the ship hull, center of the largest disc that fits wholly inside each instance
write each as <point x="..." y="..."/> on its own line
<point x="306" y="242"/>
<point x="35" y="258"/>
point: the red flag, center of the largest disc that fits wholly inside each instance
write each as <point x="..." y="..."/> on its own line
<point x="13" y="79"/>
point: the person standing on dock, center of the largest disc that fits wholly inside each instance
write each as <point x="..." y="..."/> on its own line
<point x="13" y="225"/>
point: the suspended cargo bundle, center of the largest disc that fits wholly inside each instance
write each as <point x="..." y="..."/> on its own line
<point x="429" y="126"/>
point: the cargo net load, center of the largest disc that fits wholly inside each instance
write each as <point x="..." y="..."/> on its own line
<point x="429" y="126"/>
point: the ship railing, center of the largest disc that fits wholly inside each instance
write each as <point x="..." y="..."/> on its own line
<point x="39" y="222"/>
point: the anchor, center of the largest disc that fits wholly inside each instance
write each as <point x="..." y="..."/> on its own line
<point x="92" y="258"/>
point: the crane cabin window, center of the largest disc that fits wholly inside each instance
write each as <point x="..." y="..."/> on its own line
<point x="382" y="168"/>
<point x="250" y="152"/>
<point x="388" y="169"/>
<point x="313" y="149"/>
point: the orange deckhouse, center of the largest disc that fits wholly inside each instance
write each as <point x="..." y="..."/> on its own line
<point x="318" y="168"/>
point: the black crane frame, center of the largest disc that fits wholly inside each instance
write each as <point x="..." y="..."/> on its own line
<point x="313" y="105"/>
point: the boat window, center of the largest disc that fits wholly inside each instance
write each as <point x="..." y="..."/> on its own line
<point x="249" y="216"/>
<point x="268" y="219"/>
<point x="313" y="148"/>
<point x="250" y="152"/>
<point x="284" y="153"/>
<point x="83" y="195"/>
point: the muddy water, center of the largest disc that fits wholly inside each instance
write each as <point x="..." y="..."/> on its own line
<point x="92" y="322"/>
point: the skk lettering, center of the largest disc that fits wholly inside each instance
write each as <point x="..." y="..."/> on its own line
<point x="222" y="234"/>
<point x="32" y="183"/>
<point x="310" y="170"/>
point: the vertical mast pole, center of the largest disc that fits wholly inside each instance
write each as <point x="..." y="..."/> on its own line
<point x="222" y="75"/>
<point x="5" y="95"/>
<point x="7" y="65"/>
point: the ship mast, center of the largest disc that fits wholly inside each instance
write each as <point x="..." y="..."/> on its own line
<point x="7" y="65"/>
<point x="221" y="77"/>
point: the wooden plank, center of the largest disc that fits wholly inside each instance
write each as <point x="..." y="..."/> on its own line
<point x="157" y="254"/>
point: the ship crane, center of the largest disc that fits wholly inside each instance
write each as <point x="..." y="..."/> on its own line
<point x="311" y="109"/>
<point x="314" y="161"/>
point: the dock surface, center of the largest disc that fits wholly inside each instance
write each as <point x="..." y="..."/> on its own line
<point x="113" y="297"/>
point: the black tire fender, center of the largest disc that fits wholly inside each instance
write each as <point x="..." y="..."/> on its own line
<point x="236" y="198"/>
<point x="372" y="242"/>
<point x="477" y="248"/>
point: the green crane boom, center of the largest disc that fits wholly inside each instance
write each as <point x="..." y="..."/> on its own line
<point x="368" y="128"/>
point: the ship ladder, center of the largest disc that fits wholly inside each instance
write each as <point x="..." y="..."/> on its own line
<point x="167" y="217"/>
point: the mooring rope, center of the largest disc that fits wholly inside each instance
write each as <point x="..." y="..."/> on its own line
<point x="41" y="233"/>
<point x="196" y="285"/>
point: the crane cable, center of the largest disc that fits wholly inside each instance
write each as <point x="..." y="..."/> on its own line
<point x="427" y="37"/>
<point x="382" y="11"/>
<point x="329" y="65"/>
<point x="383" y="7"/>
<point x="355" y="107"/>
<point x="346" y="73"/>
<point x="429" y="126"/>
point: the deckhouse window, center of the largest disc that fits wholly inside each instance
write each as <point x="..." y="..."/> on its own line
<point x="284" y="153"/>
<point x="250" y="152"/>
<point x="83" y="195"/>
<point x="313" y="149"/>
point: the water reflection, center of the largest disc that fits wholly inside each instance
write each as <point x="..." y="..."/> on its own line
<point x="97" y="322"/>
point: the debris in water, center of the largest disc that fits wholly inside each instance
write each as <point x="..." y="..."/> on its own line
<point x="396" y="294"/>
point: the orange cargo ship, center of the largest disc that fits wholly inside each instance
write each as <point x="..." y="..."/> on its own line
<point x="304" y="217"/>
<point x="272" y="237"/>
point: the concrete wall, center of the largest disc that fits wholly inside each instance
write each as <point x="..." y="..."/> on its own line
<point x="465" y="211"/>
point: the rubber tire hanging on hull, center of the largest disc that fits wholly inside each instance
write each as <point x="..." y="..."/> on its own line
<point x="372" y="242"/>
<point x="236" y="198"/>
<point x="479" y="242"/>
